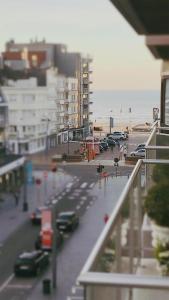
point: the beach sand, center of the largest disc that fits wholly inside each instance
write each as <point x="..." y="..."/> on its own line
<point x="121" y="126"/>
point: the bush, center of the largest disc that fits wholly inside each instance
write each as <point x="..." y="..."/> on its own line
<point x="157" y="204"/>
<point x="161" y="173"/>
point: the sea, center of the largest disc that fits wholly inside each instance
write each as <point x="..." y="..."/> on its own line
<point x="127" y="108"/>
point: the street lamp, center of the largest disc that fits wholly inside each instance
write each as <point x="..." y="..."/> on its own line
<point x="25" y="203"/>
<point x="47" y="120"/>
<point x="68" y="125"/>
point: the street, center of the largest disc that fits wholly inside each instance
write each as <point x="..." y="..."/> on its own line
<point x="73" y="187"/>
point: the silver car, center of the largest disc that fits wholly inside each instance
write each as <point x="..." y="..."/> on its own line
<point x="139" y="153"/>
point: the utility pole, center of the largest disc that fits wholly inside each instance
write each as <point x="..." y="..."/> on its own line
<point x="54" y="256"/>
<point x="68" y="141"/>
<point x="25" y="203"/>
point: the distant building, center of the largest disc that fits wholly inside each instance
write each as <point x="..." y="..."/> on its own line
<point x="38" y="115"/>
<point x="39" y="55"/>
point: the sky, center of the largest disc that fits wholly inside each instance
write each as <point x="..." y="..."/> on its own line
<point x="121" y="60"/>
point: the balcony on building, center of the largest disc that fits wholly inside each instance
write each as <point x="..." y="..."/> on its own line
<point x="123" y="261"/>
<point x="61" y="113"/>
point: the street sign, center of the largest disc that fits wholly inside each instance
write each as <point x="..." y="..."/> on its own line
<point x="111" y="122"/>
<point x="29" y="172"/>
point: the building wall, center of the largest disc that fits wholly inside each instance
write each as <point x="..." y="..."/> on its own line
<point x="30" y="108"/>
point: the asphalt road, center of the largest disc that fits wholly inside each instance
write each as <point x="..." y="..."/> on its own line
<point x="83" y="190"/>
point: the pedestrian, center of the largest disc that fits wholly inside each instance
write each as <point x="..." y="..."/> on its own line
<point x="16" y="199"/>
<point x="106" y="217"/>
<point x="121" y="152"/>
<point x="118" y="144"/>
<point x="125" y="153"/>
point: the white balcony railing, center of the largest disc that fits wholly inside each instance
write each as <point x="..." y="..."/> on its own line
<point x="122" y="265"/>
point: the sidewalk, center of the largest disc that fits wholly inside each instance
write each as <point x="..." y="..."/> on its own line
<point x="12" y="216"/>
<point x="106" y="158"/>
<point x="45" y="157"/>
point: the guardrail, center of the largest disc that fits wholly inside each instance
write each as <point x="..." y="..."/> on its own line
<point x="111" y="271"/>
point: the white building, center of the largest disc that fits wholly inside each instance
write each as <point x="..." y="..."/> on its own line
<point x="65" y="94"/>
<point x="36" y="114"/>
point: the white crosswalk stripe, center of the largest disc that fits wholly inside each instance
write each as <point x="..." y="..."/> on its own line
<point x="83" y="185"/>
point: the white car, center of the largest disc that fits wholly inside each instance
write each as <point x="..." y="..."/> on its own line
<point x="140" y="146"/>
<point x="139" y="153"/>
<point x="117" y="135"/>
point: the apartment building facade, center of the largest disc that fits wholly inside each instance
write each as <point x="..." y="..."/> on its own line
<point x="42" y="55"/>
<point x="36" y="114"/>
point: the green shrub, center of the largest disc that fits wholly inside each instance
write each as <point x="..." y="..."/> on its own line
<point x="157" y="204"/>
<point x="161" y="173"/>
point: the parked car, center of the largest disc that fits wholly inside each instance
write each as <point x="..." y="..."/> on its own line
<point x="140" y="146"/>
<point x="36" y="216"/>
<point x="111" y="141"/>
<point x="31" y="263"/>
<point x="139" y="153"/>
<point x="118" y="135"/>
<point x="67" y="221"/>
<point x="104" y="145"/>
<point x="101" y="148"/>
<point x="39" y="245"/>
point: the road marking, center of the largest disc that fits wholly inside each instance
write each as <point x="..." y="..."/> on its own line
<point x="83" y="198"/>
<point x="4" y="285"/>
<point x="92" y="185"/>
<point x="69" y="185"/>
<point x="54" y="201"/>
<point x="87" y="207"/>
<point x="74" y="288"/>
<point x="75" y="298"/>
<point x="83" y="185"/>
<point x="19" y="286"/>
<point x="78" y="207"/>
<point x="77" y="190"/>
<point x="71" y="197"/>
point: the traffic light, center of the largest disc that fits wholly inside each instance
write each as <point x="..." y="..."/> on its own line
<point x="100" y="169"/>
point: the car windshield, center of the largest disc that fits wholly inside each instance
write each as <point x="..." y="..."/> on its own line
<point x="25" y="260"/>
<point x="65" y="217"/>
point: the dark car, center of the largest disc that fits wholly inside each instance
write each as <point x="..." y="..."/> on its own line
<point x="36" y="216"/>
<point x="104" y="145"/>
<point x="67" y="221"/>
<point x="31" y="263"/>
<point x="101" y="148"/>
<point x="59" y="241"/>
<point x="111" y="141"/>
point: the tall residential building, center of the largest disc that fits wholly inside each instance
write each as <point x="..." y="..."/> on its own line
<point x="38" y="113"/>
<point x="42" y="55"/>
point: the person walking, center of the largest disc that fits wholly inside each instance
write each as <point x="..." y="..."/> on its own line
<point x="125" y="153"/>
<point x="106" y="217"/>
<point x="121" y="152"/>
<point x="16" y="199"/>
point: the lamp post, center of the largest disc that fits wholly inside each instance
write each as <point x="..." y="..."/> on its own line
<point x="54" y="256"/>
<point x="47" y="129"/>
<point x="111" y="122"/>
<point x="25" y="203"/>
<point x="68" y="139"/>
